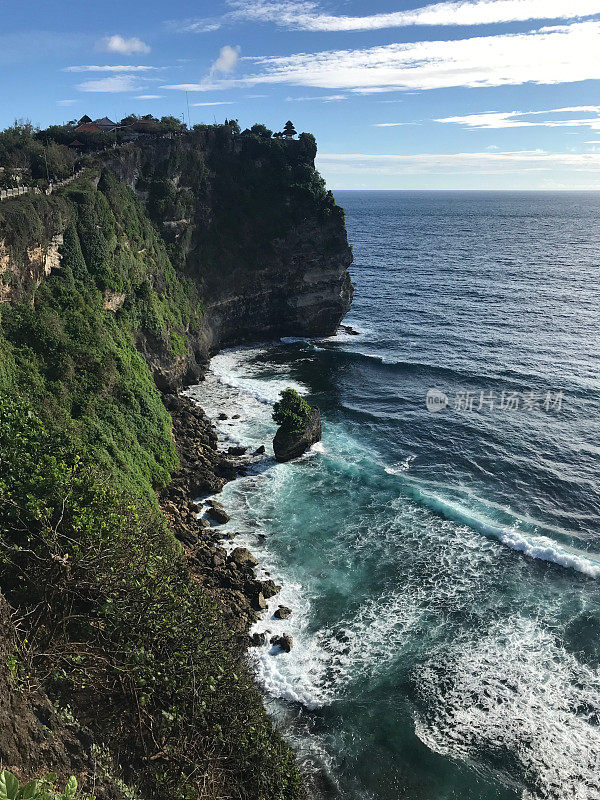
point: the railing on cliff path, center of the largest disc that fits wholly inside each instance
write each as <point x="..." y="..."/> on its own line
<point x="58" y="184"/>
<point x="6" y="194"/>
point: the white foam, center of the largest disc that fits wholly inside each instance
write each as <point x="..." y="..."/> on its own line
<point x="398" y="469"/>
<point x="237" y="369"/>
<point x="516" y="695"/>
<point x="294" y="339"/>
<point x="539" y="547"/>
<point x="323" y="664"/>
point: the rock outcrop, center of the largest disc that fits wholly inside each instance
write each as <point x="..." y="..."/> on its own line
<point x="19" y="275"/>
<point x="288" y="445"/>
<point x="284" y="642"/>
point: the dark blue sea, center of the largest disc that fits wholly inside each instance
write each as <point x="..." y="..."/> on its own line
<point x="442" y="559"/>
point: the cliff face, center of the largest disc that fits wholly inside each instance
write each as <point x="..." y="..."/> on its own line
<point x="250" y="222"/>
<point x="244" y="220"/>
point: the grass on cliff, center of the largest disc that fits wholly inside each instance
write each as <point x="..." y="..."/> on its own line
<point x="114" y="624"/>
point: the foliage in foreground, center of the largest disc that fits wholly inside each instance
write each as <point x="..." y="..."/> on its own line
<point x="291" y="412"/>
<point x="121" y="630"/>
<point x="11" y="789"/>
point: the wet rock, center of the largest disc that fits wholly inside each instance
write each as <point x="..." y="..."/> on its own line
<point x="258" y="639"/>
<point x="269" y="588"/>
<point x="283" y="642"/>
<point x="283" y="612"/>
<point x="235" y="416"/>
<point x="259" y="450"/>
<point x="288" y="445"/>
<point x="222" y="416"/>
<point x="258" y="602"/>
<point x="217" y="512"/>
<point x="236" y="451"/>
<point x="243" y="557"/>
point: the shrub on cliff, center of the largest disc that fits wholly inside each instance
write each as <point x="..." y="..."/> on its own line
<point x="117" y="629"/>
<point x="291" y="412"/>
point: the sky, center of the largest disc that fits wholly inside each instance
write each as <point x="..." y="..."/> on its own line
<point x="400" y="94"/>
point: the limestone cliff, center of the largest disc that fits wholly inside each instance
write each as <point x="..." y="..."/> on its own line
<point x="250" y="221"/>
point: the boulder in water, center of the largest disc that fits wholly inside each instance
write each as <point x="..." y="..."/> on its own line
<point x="291" y="444"/>
<point x="217" y="512"/>
<point x="284" y="642"/>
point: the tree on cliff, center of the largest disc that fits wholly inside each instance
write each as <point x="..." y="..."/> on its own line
<point x="261" y="131"/>
<point x="288" y="130"/>
<point x="234" y="125"/>
<point x="291" y="412"/>
<point x="170" y="123"/>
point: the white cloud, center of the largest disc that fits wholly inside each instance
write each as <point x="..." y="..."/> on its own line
<point x="215" y="103"/>
<point x="148" y="96"/>
<point x="224" y="65"/>
<point x="115" y="83"/>
<point x="65" y="102"/>
<point x="560" y="54"/>
<point x="108" y="68"/>
<point x="119" y="44"/>
<point x="519" y="119"/>
<point x="306" y="14"/>
<point x="457" y="163"/>
<point x="226" y="62"/>
<point x="324" y="98"/>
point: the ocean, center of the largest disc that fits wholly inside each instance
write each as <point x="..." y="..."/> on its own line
<point x="440" y="548"/>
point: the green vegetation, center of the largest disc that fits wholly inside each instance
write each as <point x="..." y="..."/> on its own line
<point x="78" y="363"/>
<point x="10" y="788"/>
<point x="29" y="158"/>
<point x="292" y="411"/>
<point x="123" y="634"/>
<point x="115" y="626"/>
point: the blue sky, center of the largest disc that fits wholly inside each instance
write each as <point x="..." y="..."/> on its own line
<point x="400" y="94"/>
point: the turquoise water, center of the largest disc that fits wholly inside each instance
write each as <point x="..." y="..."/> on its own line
<point x="443" y="568"/>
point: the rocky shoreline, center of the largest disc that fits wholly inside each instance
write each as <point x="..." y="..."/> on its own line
<point x="228" y="577"/>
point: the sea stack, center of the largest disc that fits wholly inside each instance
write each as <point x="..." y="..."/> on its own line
<point x="299" y="426"/>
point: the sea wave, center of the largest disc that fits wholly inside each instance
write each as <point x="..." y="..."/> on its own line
<point x="535" y="546"/>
